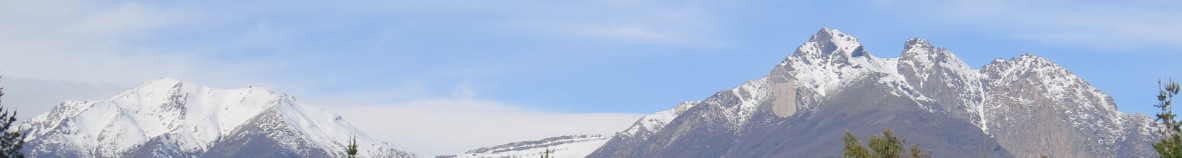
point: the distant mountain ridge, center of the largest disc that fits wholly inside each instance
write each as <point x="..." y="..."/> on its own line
<point x="174" y="118"/>
<point x="1021" y="107"/>
<point x="561" y="146"/>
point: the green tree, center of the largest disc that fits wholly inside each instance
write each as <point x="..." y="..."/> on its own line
<point x="352" y="148"/>
<point x="10" y="140"/>
<point x="886" y="146"/>
<point x="917" y="152"/>
<point x="1171" y="145"/>
<point x="853" y="148"/>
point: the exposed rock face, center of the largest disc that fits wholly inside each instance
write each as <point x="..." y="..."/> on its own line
<point x="1020" y="107"/>
<point x="1035" y="106"/>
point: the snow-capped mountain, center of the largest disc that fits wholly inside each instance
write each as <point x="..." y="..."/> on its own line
<point x="174" y="118"/>
<point x="561" y="146"/>
<point x="1021" y="107"/>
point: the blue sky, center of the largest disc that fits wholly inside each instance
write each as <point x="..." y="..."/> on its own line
<point x="614" y="57"/>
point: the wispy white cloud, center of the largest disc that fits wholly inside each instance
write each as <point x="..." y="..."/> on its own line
<point x="121" y="43"/>
<point x="87" y="42"/>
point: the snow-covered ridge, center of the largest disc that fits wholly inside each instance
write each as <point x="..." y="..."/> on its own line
<point x="826" y="62"/>
<point x="200" y="114"/>
<point x="831" y="59"/>
<point x="192" y="116"/>
<point x="651" y="123"/>
<point x="1085" y="105"/>
<point x="923" y="64"/>
<point x="561" y="146"/>
<point x="1056" y="79"/>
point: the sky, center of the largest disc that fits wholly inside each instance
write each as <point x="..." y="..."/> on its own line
<point x="538" y="68"/>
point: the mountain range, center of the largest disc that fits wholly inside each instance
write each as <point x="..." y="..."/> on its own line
<point x="174" y="118"/>
<point x="1019" y="107"/>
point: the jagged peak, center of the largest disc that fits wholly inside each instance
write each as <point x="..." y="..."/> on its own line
<point x="829" y="58"/>
<point x="1054" y="80"/>
<point x="1026" y="60"/>
<point x="832" y="43"/>
<point x="921" y="50"/>
<point x="1031" y="66"/>
<point x="828" y="34"/>
<point x="917" y="42"/>
<point x="168" y="85"/>
<point x="165" y="90"/>
<point x="161" y="86"/>
<point x="918" y="47"/>
<point x="997" y="60"/>
<point x="1031" y="56"/>
<point x="162" y="82"/>
<point x="165" y="80"/>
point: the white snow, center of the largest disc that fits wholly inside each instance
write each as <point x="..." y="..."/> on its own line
<point x="193" y="115"/>
<point x="574" y="146"/>
<point x="656" y="121"/>
<point x="827" y="61"/>
<point x="1085" y="106"/>
<point x="824" y="69"/>
<point x="931" y="62"/>
<point x="831" y="59"/>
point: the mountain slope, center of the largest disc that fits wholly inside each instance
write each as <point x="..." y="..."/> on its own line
<point x="1010" y="108"/>
<point x="173" y="118"/>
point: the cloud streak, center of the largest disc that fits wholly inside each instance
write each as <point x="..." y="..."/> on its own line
<point x="85" y="41"/>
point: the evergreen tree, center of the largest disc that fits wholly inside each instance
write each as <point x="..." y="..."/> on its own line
<point x="547" y="154"/>
<point x="10" y="140"/>
<point x="1171" y="145"/>
<point x="352" y="148"/>
<point x="886" y="146"/>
